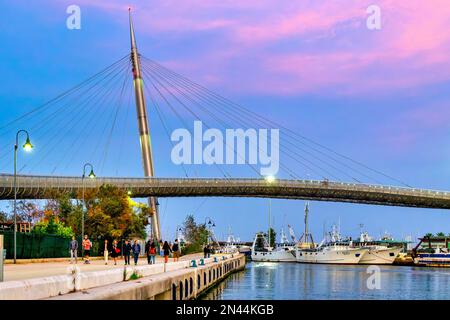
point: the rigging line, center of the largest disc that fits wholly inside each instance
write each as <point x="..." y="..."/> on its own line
<point x="225" y="124"/>
<point x="103" y="132"/>
<point x="73" y="121"/>
<point x="119" y="104"/>
<point x="293" y="133"/>
<point x="196" y="116"/>
<point x="45" y="121"/>
<point x="160" y="116"/>
<point x="122" y="141"/>
<point x="240" y="121"/>
<point x="87" y="128"/>
<point x="224" y="173"/>
<point x="61" y="95"/>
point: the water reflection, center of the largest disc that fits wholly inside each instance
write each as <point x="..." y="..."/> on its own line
<point x="265" y="280"/>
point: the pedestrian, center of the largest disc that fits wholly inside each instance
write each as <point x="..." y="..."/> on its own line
<point x="176" y="251"/>
<point x="136" y="251"/>
<point x="152" y="253"/>
<point x="73" y="246"/>
<point x="115" y="252"/>
<point x="161" y="250"/>
<point x="206" y="251"/>
<point x="126" y="252"/>
<point x="147" y="249"/>
<point x="167" y="250"/>
<point x="106" y="252"/>
<point x="87" y="245"/>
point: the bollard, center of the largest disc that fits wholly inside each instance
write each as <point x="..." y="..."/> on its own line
<point x="202" y="262"/>
<point x="1" y="258"/>
<point x="223" y="257"/>
<point x="194" y="264"/>
<point x="215" y="259"/>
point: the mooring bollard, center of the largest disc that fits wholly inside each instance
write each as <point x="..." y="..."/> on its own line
<point x="1" y="258"/>
<point x="202" y="262"/>
<point x="215" y="259"/>
<point x="223" y="257"/>
<point x="194" y="264"/>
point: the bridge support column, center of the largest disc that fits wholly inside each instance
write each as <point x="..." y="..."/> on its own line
<point x="144" y="133"/>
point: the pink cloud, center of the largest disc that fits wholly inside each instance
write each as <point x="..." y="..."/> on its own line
<point x="303" y="46"/>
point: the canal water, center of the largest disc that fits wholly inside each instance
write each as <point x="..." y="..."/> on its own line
<point x="282" y="281"/>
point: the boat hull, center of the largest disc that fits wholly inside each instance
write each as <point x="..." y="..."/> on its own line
<point x="274" y="256"/>
<point x="433" y="260"/>
<point x="380" y="256"/>
<point x="349" y="256"/>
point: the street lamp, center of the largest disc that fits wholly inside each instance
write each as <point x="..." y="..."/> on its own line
<point x="91" y="176"/>
<point x="209" y="223"/>
<point x="27" y="147"/>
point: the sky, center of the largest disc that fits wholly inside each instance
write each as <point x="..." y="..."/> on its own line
<point x="378" y="96"/>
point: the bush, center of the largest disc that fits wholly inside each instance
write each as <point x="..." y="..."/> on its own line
<point x="52" y="227"/>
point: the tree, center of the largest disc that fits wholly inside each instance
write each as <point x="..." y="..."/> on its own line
<point x="196" y="235"/>
<point x="3" y="217"/>
<point x="52" y="226"/>
<point x="28" y="211"/>
<point x="440" y="234"/>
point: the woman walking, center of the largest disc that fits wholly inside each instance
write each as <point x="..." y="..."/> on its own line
<point x="115" y="252"/>
<point x="167" y="250"/>
<point x="176" y="251"/>
<point x="106" y="252"/>
<point x="152" y="253"/>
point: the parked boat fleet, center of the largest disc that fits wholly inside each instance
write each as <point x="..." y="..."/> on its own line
<point x="333" y="249"/>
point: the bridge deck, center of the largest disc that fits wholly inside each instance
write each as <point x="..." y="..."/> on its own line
<point x="41" y="187"/>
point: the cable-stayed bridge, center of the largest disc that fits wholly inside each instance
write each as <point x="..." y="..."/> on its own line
<point x="39" y="187"/>
<point x="92" y="122"/>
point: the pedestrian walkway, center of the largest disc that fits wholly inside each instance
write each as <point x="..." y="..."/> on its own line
<point x="37" y="270"/>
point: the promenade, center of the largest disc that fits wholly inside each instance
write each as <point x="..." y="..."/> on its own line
<point x="22" y="271"/>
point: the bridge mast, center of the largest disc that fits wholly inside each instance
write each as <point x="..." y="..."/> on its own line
<point x="144" y="133"/>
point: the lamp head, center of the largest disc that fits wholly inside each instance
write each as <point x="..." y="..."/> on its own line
<point x="28" y="146"/>
<point x="270" y="179"/>
<point x="91" y="174"/>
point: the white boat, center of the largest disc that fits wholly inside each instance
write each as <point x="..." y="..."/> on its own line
<point x="261" y="251"/>
<point x="331" y="253"/>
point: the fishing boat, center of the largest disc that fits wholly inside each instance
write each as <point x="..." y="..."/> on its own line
<point x="378" y="251"/>
<point x="330" y="251"/>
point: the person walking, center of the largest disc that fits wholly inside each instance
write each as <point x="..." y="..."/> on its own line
<point x="166" y="250"/>
<point x="115" y="251"/>
<point x="161" y="250"/>
<point x="127" y="252"/>
<point x="106" y="252"/>
<point x="206" y="251"/>
<point x="73" y="246"/>
<point x="147" y="250"/>
<point x="87" y="245"/>
<point x="176" y="251"/>
<point x="136" y="251"/>
<point x="152" y="253"/>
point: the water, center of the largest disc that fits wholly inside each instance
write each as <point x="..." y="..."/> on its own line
<point x="282" y="281"/>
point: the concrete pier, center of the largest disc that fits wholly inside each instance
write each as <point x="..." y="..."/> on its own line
<point x="171" y="281"/>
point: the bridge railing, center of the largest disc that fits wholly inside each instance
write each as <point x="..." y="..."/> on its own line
<point x="75" y="183"/>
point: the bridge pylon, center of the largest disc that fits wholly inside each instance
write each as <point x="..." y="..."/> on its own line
<point x="144" y="132"/>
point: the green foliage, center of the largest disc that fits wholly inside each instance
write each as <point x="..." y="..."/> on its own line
<point x="272" y="236"/>
<point x="3" y="217"/>
<point x="440" y="234"/>
<point x="429" y="235"/>
<point x="196" y="235"/>
<point x="52" y="227"/>
<point x="135" y="276"/>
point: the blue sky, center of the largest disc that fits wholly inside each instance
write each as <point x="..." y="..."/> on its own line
<point x="380" y="97"/>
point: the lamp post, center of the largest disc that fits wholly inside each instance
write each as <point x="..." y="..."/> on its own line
<point x="91" y="176"/>
<point x="209" y="223"/>
<point x="27" y="147"/>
